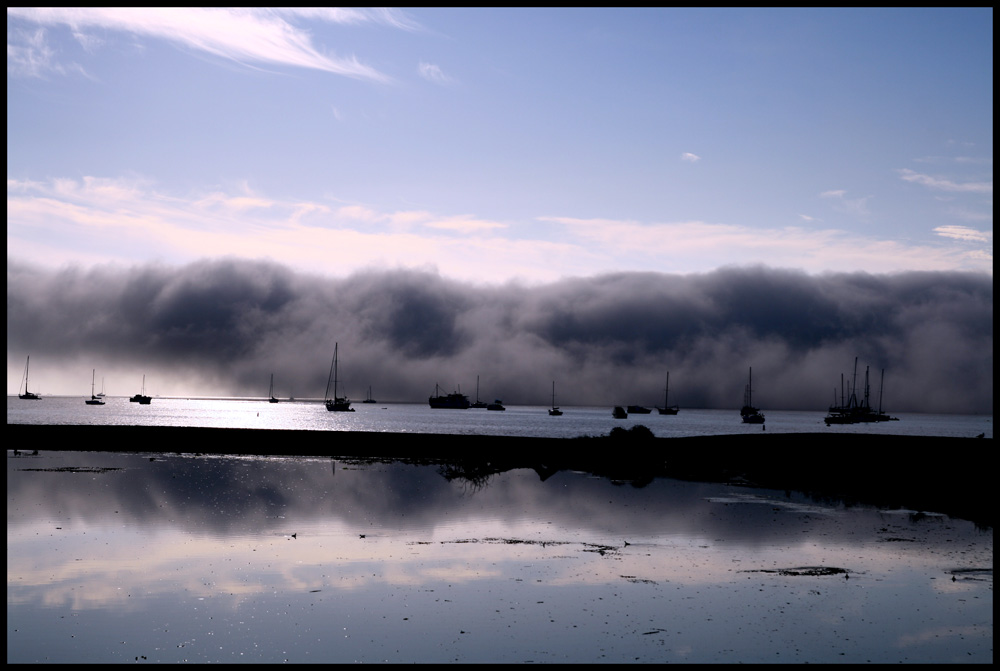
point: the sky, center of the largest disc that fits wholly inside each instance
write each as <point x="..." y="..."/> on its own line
<point x="486" y="177"/>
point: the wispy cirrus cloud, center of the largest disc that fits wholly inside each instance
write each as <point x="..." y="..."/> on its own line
<point x="855" y="207"/>
<point x="433" y="73"/>
<point x="943" y="184"/>
<point x="248" y="36"/>
<point x="690" y="158"/>
<point x="964" y="233"/>
<point x="29" y="55"/>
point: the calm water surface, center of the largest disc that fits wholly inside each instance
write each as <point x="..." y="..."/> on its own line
<point x="173" y="558"/>
<point x="419" y="418"/>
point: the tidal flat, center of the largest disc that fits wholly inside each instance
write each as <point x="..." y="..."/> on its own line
<point x="170" y="557"/>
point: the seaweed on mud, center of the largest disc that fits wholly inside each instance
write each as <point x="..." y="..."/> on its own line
<point x="505" y="541"/>
<point x="588" y="547"/>
<point x="600" y="549"/>
<point x="803" y="570"/>
<point x="972" y="574"/>
<point x="75" y="469"/>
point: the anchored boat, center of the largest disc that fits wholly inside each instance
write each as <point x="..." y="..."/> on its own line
<point x="335" y="403"/>
<point x="667" y="409"/>
<point x="853" y="411"/>
<point x="27" y="395"/>
<point x="748" y="412"/>
<point x="453" y="401"/>
<point x="94" y="399"/>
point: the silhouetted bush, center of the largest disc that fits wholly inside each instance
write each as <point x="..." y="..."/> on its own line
<point x="636" y="433"/>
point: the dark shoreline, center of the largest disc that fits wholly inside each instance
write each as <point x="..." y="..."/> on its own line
<point x="920" y="473"/>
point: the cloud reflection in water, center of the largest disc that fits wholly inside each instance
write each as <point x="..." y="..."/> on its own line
<point x="194" y="558"/>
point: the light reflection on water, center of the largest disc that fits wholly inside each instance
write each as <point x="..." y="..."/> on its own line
<point x="517" y="420"/>
<point x="114" y="557"/>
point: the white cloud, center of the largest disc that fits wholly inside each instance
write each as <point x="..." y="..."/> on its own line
<point x="464" y="224"/>
<point x="854" y="207"/>
<point x="964" y="233"/>
<point x="945" y="184"/>
<point x="129" y="220"/>
<point x="100" y="220"/>
<point x="688" y="156"/>
<point x="697" y="246"/>
<point x="29" y="55"/>
<point x="243" y="35"/>
<point x="433" y="73"/>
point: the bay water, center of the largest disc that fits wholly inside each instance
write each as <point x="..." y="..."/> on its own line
<point x="516" y="420"/>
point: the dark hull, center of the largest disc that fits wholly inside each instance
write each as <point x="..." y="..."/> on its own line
<point x="668" y="411"/>
<point x="339" y="405"/>
<point x="449" y="402"/>
<point x="859" y="418"/>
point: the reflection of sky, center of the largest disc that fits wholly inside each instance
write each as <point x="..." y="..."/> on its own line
<point x="399" y="558"/>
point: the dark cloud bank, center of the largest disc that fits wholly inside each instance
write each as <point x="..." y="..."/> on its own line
<point x="224" y="326"/>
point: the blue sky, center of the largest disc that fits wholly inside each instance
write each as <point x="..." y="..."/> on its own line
<point x="500" y="144"/>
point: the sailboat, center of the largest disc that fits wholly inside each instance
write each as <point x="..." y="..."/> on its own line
<point x="335" y="403"/>
<point x="554" y="411"/>
<point x="93" y="400"/>
<point x="27" y="395"/>
<point x="270" y="391"/>
<point x="748" y="412"/>
<point x="369" y="399"/>
<point x="478" y="403"/>
<point x="141" y="397"/>
<point x="667" y="409"/>
<point x="855" y="411"/>
<point x="100" y="394"/>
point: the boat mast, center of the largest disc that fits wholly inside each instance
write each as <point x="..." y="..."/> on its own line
<point x="867" y="404"/>
<point x="854" y="385"/>
<point x="880" y="385"/>
<point x="333" y="371"/>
